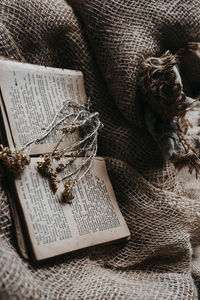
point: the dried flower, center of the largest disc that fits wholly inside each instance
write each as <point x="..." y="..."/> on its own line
<point x="47" y="159"/>
<point x="44" y="168"/>
<point x="67" y="194"/>
<point x="70" y="128"/>
<point x="56" y="154"/>
<point x="60" y="167"/>
<point x="14" y="160"/>
<point x="69" y="118"/>
<point x="53" y="181"/>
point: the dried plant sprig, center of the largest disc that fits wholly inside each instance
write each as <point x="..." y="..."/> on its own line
<point x="45" y="169"/>
<point x="70" y="117"/>
<point x="78" y="118"/>
<point x="53" y="181"/>
<point x="15" y="159"/>
<point x="67" y="111"/>
<point x="85" y="160"/>
<point x="67" y="194"/>
<point x="90" y="164"/>
<point x="70" y="128"/>
<point x="60" y="167"/>
<point x="98" y="125"/>
<point x="56" y="154"/>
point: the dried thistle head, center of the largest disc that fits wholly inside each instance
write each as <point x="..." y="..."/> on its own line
<point x="162" y="87"/>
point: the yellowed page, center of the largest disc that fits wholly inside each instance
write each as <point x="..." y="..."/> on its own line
<point x="54" y="227"/>
<point x="33" y="95"/>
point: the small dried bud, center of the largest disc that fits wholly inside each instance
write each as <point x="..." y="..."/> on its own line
<point x="67" y="194"/>
<point x="53" y="181"/>
<point x="56" y="154"/>
<point x="70" y="128"/>
<point x="47" y="159"/>
<point x="43" y="169"/>
<point x="60" y="167"/>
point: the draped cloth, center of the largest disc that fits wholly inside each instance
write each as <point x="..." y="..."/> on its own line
<point x="107" y="40"/>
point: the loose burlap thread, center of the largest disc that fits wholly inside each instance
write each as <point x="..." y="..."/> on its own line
<point x="107" y="40"/>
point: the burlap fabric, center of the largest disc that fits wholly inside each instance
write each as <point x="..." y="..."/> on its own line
<point x="107" y="41"/>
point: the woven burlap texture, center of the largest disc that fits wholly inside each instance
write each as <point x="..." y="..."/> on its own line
<point x="107" y="41"/>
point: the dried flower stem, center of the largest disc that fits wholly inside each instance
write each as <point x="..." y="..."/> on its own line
<point x="84" y="162"/>
<point x="85" y="139"/>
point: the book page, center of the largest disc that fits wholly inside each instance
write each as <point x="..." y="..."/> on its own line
<point x="54" y="227"/>
<point x="33" y="95"/>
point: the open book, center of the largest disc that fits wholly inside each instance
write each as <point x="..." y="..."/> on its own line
<point x="30" y="97"/>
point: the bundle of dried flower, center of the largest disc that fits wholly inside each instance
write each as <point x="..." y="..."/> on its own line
<point x="15" y="160"/>
<point x="166" y="106"/>
<point x="70" y="118"/>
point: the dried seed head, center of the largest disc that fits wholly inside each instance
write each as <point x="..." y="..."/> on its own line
<point x="53" y="181"/>
<point x="47" y="159"/>
<point x="60" y="167"/>
<point x="56" y="154"/>
<point x="45" y="170"/>
<point x="67" y="194"/>
<point x="70" y="128"/>
<point x="14" y="160"/>
<point x="42" y="168"/>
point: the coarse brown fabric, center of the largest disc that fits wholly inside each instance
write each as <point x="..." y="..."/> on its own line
<point x="107" y="41"/>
